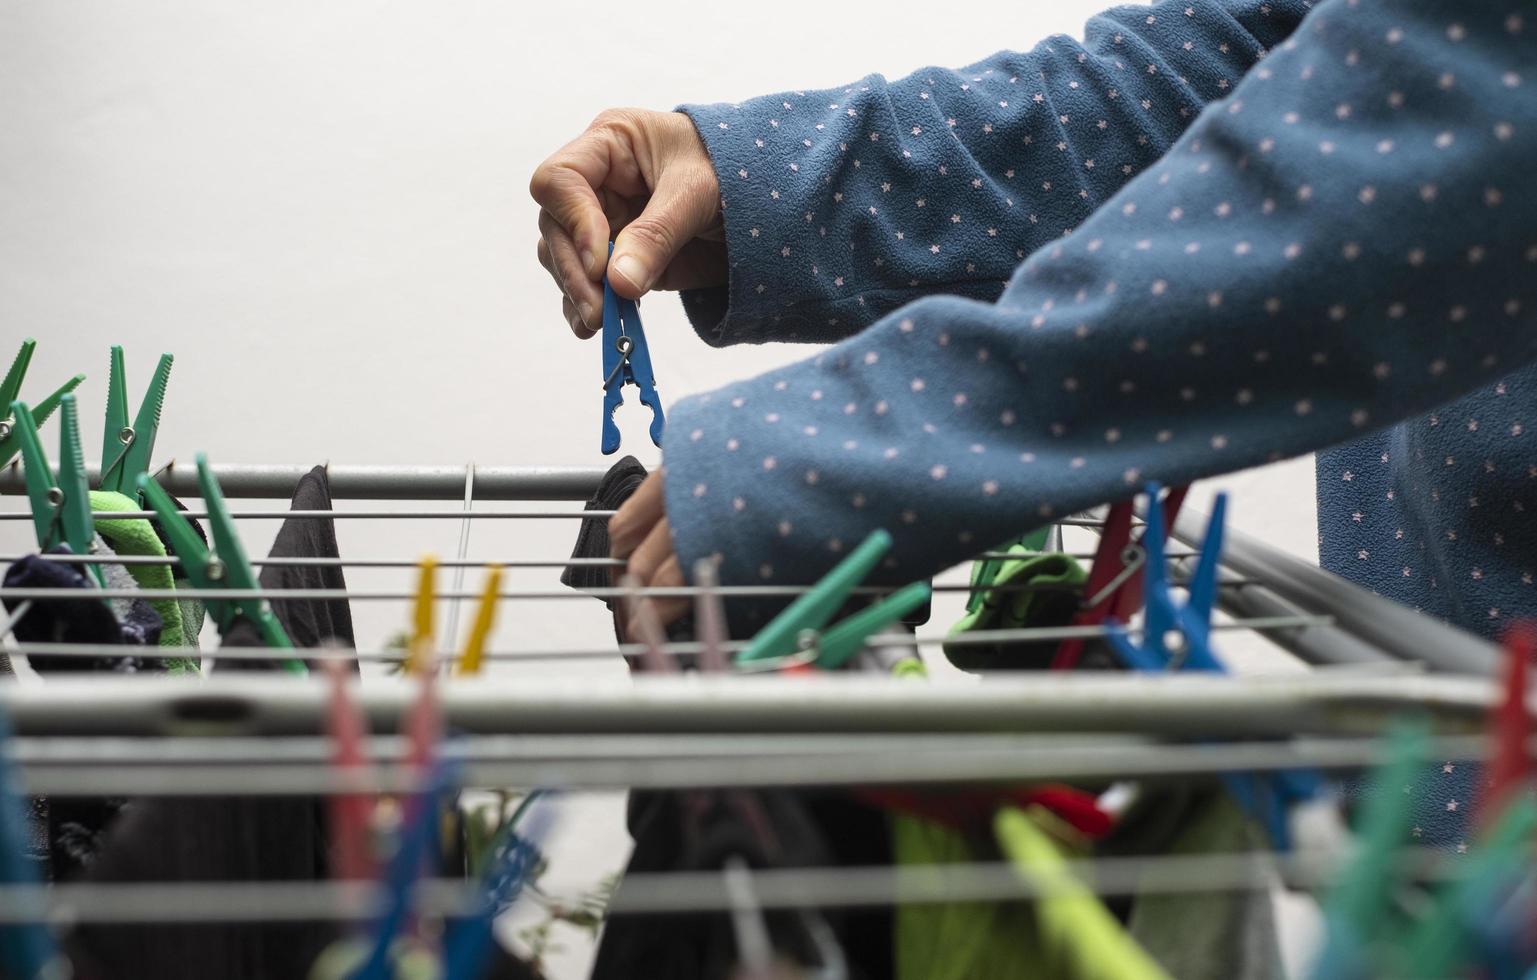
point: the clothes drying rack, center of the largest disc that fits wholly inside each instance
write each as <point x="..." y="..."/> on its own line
<point x="244" y="734"/>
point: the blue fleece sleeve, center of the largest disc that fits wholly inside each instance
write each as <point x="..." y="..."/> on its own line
<point x="843" y="204"/>
<point x="1348" y="239"/>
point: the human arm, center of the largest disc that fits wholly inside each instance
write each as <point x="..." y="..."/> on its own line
<point x="1346" y="241"/>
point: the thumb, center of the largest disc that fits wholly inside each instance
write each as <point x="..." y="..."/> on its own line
<point x="682" y="206"/>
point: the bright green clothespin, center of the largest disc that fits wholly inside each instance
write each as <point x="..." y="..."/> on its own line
<point x="783" y="635"/>
<point x="10" y="390"/>
<point x="61" y="506"/>
<point x="126" y="448"/>
<point x="223" y="567"/>
<point x="1362" y="897"/>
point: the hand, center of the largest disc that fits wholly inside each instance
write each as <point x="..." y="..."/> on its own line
<point x="639" y="534"/>
<point x="645" y="179"/>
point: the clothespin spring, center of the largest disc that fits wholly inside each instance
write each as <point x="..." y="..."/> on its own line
<point x="623" y="344"/>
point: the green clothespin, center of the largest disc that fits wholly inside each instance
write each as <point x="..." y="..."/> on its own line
<point x="61" y="506"/>
<point x="125" y="448"/>
<point x="1361" y="900"/>
<point x="10" y="390"/>
<point x="783" y="635"/>
<point x="223" y="567"/>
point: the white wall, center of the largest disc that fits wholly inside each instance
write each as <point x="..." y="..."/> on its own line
<point x="320" y="208"/>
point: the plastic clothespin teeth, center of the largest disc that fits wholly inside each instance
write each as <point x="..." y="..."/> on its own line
<point x="626" y="360"/>
<point x="126" y="446"/>
<point x="61" y="507"/>
<point x="224" y="567"/>
<point x="480" y="630"/>
<point x="10" y="391"/>
<point x="787" y="633"/>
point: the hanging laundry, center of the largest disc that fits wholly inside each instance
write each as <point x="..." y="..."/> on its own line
<point x="119" y="622"/>
<point x="243" y="839"/>
<point x="1197" y="935"/>
<point x="182" y="618"/>
<point x="310" y="622"/>
<point x="1030" y="590"/>
<point x="1079" y="937"/>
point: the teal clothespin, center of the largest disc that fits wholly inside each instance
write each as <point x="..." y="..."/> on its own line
<point x="783" y="635"/>
<point x="126" y="447"/>
<point x="10" y="390"/>
<point x="223" y="567"/>
<point x="61" y="506"/>
<point x="1442" y="944"/>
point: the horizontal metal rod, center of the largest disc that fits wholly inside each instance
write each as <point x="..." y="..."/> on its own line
<point x="349" y="482"/>
<point x="606" y="592"/>
<point x="371" y="515"/>
<point x="680" y="648"/>
<point x="305" y="562"/>
<point x="1178" y="705"/>
<point x="905" y="764"/>
<point x="703" y="891"/>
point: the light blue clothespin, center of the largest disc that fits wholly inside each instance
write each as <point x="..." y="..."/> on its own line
<point x="626" y="360"/>
<point x="27" y="949"/>
<point x="1267" y="797"/>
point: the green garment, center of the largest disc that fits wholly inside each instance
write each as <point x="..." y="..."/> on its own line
<point x="956" y="940"/>
<point x="182" y="619"/>
<point x="1041" y="590"/>
<point x="1079" y="937"/>
<point x="1211" y="935"/>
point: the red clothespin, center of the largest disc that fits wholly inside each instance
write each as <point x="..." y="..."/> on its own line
<point x="1510" y="730"/>
<point x="351" y="857"/>
<point x="1129" y="599"/>
<point x="1109" y="564"/>
<point x="1114" y="585"/>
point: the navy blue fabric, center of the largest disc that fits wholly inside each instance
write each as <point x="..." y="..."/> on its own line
<point x="1229" y="257"/>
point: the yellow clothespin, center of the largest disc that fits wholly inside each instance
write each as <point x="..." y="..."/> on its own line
<point x="485" y="615"/>
<point x="421" y="653"/>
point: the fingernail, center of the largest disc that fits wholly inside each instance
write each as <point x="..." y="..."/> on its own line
<point x="589" y="315"/>
<point x="587" y="260"/>
<point x="632" y="269"/>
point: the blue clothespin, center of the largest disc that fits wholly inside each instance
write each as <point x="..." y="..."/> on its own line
<point x="416" y="841"/>
<point x="1266" y="797"/>
<point x="626" y="360"/>
<point x="514" y="857"/>
<point x="27" y="949"/>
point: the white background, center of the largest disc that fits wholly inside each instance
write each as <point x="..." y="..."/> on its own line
<point x="321" y="209"/>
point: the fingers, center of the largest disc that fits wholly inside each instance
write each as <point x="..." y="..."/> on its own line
<point x="565" y="186"/>
<point x="668" y="576"/>
<point x="683" y="204"/>
<point x="628" y="529"/>
<point x="652" y="553"/>
<point x="558" y="254"/>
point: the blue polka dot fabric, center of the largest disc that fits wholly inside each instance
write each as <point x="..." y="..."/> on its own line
<point x="1211" y="236"/>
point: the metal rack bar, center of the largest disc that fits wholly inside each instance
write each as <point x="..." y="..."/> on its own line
<point x="304" y="562"/>
<point x="351" y="482"/>
<point x="675" y="648"/>
<point x="1077" y="759"/>
<point x="1186" y="706"/>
